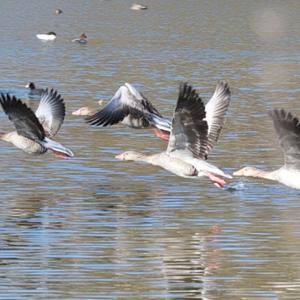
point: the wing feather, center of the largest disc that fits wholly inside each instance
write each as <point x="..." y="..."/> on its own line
<point x="128" y="102"/>
<point x="287" y="128"/>
<point x="189" y="127"/>
<point x="216" y="110"/>
<point x="24" y="119"/>
<point x="51" y="111"/>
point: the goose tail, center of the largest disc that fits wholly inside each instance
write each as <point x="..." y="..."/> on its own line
<point x="160" y="123"/>
<point x="57" y="148"/>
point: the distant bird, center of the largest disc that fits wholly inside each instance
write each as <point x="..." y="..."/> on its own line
<point x="137" y="6"/>
<point x="58" y="11"/>
<point x="50" y="36"/>
<point x="288" y="131"/>
<point x="133" y="109"/>
<point x="34" y="130"/>
<point x="33" y="91"/>
<point x="87" y="111"/>
<point x="195" y="128"/>
<point x="81" y="40"/>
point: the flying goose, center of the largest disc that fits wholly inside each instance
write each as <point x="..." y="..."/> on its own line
<point x="195" y="129"/>
<point x="287" y="128"/>
<point x="133" y="109"/>
<point x="34" y="130"/>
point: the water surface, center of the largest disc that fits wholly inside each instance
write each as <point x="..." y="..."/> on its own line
<point x="95" y="228"/>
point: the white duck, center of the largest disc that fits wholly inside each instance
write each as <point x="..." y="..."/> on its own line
<point x="33" y="130"/>
<point x="50" y="36"/>
<point x="133" y="109"/>
<point x="195" y="128"/>
<point x="136" y="6"/>
<point x="288" y="130"/>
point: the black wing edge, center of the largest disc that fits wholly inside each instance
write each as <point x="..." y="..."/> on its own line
<point x="23" y="117"/>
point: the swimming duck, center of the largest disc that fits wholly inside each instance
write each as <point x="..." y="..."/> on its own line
<point x="287" y="128"/>
<point x="50" y="36"/>
<point x="34" y="130"/>
<point x="137" y="6"/>
<point x="133" y="109"/>
<point x="58" y="11"/>
<point x="81" y="40"/>
<point x="33" y="91"/>
<point x="195" y="128"/>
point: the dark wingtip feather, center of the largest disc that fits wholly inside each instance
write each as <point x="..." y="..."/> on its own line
<point x="8" y="103"/>
<point x="23" y="117"/>
<point x="282" y="118"/>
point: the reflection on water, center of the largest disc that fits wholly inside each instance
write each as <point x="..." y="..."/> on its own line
<point x="91" y="227"/>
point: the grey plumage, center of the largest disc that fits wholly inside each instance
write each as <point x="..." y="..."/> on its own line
<point x="51" y="112"/>
<point x="189" y="128"/>
<point x="216" y="109"/>
<point x="196" y="127"/>
<point x="131" y="108"/>
<point x="288" y="130"/>
<point x="33" y="129"/>
<point x="23" y="117"/>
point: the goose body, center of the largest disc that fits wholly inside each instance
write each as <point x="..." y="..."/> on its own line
<point x="34" y="130"/>
<point x="131" y="108"/>
<point x="287" y="128"/>
<point x="23" y="143"/>
<point x="194" y="131"/>
<point x="50" y="36"/>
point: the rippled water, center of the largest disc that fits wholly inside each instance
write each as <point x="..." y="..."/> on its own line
<point x="95" y="228"/>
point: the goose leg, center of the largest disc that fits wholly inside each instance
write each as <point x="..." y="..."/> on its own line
<point x="217" y="181"/>
<point x="164" y="135"/>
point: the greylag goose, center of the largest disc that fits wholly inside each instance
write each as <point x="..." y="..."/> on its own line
<point x="195" y="129"/>
<point x="33" y="91"/>
<point x="87" y="111"/>
<point x="33" y="130"/>
<point x="81" y="40"/>
<point x="133" y="109"/>
<point x="287" y="128"/>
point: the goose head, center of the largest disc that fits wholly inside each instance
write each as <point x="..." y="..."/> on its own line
<point x="130" y="155"/>
<point x="82" y="111"/>
<point x="247" y="172"/>
<point x="8" y="137"/>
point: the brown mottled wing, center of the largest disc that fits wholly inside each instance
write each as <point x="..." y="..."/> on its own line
<point x="288" y="130"/>
<point x="189" y="128"/>
<point x="216" y="110"/>
<point x="23" y="117"/>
